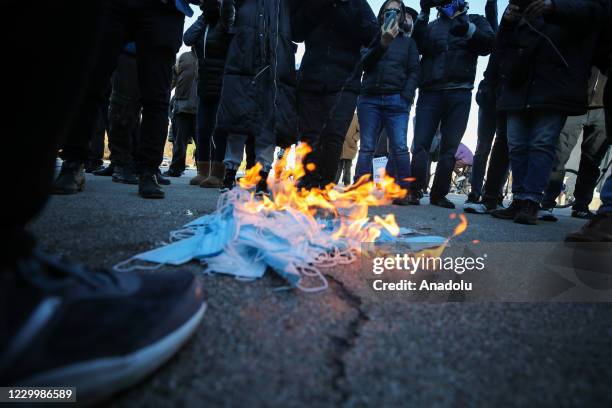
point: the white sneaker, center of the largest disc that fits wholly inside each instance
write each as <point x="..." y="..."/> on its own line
<point x="546" y="214"/>
<point x="474" y="208"/>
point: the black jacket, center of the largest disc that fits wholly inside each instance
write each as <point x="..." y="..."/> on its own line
<point x="447" y="58"/>
<point x="534" y="74"/>
<point x="391" y="70"/>
<point x="487" y="89"/>
<point x="260" y="48"/>
<point x="334" y="32"/>
<point x="211" y="54"/>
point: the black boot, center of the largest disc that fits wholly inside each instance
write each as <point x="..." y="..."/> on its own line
<point x="262" y="186"/>
<point x="229" y="181"/>
<point x="162" y="180"/>
<point x="528" y="214"/>
<point x="510" y="212"/>
<point x="71" y="178"/>
<point x="106" y="171"/>
<point x="440" y="201"/>
<point x="148" y="186"/>
<point x="125" y="175"/>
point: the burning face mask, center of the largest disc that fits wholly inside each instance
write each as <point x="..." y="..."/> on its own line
<point x="451" y="8"/>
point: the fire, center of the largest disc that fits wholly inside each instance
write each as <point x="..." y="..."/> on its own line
<point x="348" y="206"/>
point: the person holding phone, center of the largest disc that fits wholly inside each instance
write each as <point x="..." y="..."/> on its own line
<point x="391" y="73"/>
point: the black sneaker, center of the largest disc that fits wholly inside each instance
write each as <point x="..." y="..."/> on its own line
<point x="229" y="181"/>
<point x="508" y="213"/>
<point x="148" y="186"/>
<point x="441" y="201"/>
<point x="547" y="214"/>
<point x="262" y="186"/>
<point x="582" y="213"/>
<point x="528" y="214"/>
<point x="106" y="171"/>
<point x="172" y="173"/>
<point x="161" y="179"/>
<point x="97" y="331"/>
<point x="473" y="198"/>
<point x="71" y="179"/>
<point x="125" y="175"/>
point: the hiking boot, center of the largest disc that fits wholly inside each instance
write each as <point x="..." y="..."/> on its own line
<point x="90" y="167"/>
<point x="71" y="179"/>
<point x="106" y="171"/>
<point x="598" y="229"/>
<point x="582" y="213"/>
<point x="261" y="189"/>
<point x="161" y="179"/>
<point x="440" y="201"/>
<point x="229" y="181"/>
<point x="215" y="179"/>
<point x="98" y="331"/>
<point x="546" y="214"/>
<point x="172" y="173"/>
<point x="528" y="213"/>
<point x="148" y="186"/>
<point x="508" y="213"/>
<point x="203" y="172"/>
<point x="125" y="175"/>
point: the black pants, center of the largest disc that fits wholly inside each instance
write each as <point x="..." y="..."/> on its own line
<point x="344" y="171"/>
<point x="499" y="163"/>
<point x="157" y="29"/>
<point x="73" y="42"/>
<point x="184" y="125"/>
<point x="324" y="119"/>
<point x="96" y="144"/>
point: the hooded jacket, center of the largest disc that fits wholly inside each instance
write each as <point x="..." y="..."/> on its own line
<point x="391" y="70"/>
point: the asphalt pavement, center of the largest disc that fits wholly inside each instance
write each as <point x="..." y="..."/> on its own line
<point x="350" y="346"/>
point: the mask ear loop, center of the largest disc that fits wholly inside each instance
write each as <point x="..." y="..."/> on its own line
<point x="121" y="266"/>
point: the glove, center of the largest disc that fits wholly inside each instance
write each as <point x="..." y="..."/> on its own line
<point x="460" y="25"/>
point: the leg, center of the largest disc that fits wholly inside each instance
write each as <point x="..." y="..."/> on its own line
<point x="347" y="164"/>
<point x="182" y="128"/>
<point x="499" y="164"/>
<point x="427" y="120"/>
<point x="543" y="139"/>
<point x="249" y="149"/>
<point x="487" y="124"/>
<point x="567" y="141"/>
<point x="204" y="131"/>
<point x="452" y="127"/>
<point x="594" y="148"/>
<point x="519" y="128"/>
<point x="311" y="118"/>
<point x="370" y="121"/>
<point x="395" y="121"/>
<point x="234" y="151"/>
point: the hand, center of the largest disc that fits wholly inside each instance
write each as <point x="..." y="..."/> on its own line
<point x="538" y="8"/>
<point x="512" y="13"/>
<point x="460" y="25"/>
<point x="389" y="34"/>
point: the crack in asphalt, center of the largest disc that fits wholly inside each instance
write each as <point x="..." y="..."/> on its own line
<point x="344" y="344"/>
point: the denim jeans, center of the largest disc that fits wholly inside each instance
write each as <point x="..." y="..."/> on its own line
<point x="487" y="125"/>
<point x="210" y="145"/>
<point x="450" y="109"/>
<point x="532" y="140"/>
<point x="593" y="149"/>
<point x="606" y="196"/>
<point x="391" y="112"/>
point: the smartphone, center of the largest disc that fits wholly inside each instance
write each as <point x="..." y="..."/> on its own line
<point x="390" y="18"/>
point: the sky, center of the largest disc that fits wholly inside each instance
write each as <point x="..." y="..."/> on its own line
<point x="476" y="7"/>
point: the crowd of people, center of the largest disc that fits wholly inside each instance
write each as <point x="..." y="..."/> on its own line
<point x="238" y="89"/>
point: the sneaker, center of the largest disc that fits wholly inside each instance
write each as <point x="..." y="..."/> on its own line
<point x="71" y="179"/>
<point x="546" y="214"/>
<point x="474" y="208"/>
<point x="473" y="197"/>
<point x="161" y="179"/>
<point x="582" y="213"/>
<point x="492" y="205"/>
<point x="598" y="229"/>
<point x="106" y="171"/>
<point x="441" y="201"/>
<point x="98" y="331"/>
<point x="125" y="175"/>
<point x="261" y="189"/>
<point x="508" y="213"/>
<point x="528" y="214"/>
<point x="229" y="181"/>
<point x="172" y="173"/>
<point x="148" y="186"/>
<point x="91" y="167"/>
<point x="403" y="201"/>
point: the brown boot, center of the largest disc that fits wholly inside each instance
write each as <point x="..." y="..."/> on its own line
<point x="599" y="229"/>
<point x="217" y="172"/>
<point x="203" y="173"/>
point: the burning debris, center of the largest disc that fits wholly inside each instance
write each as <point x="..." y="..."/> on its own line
<point x="295" y="232"/>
